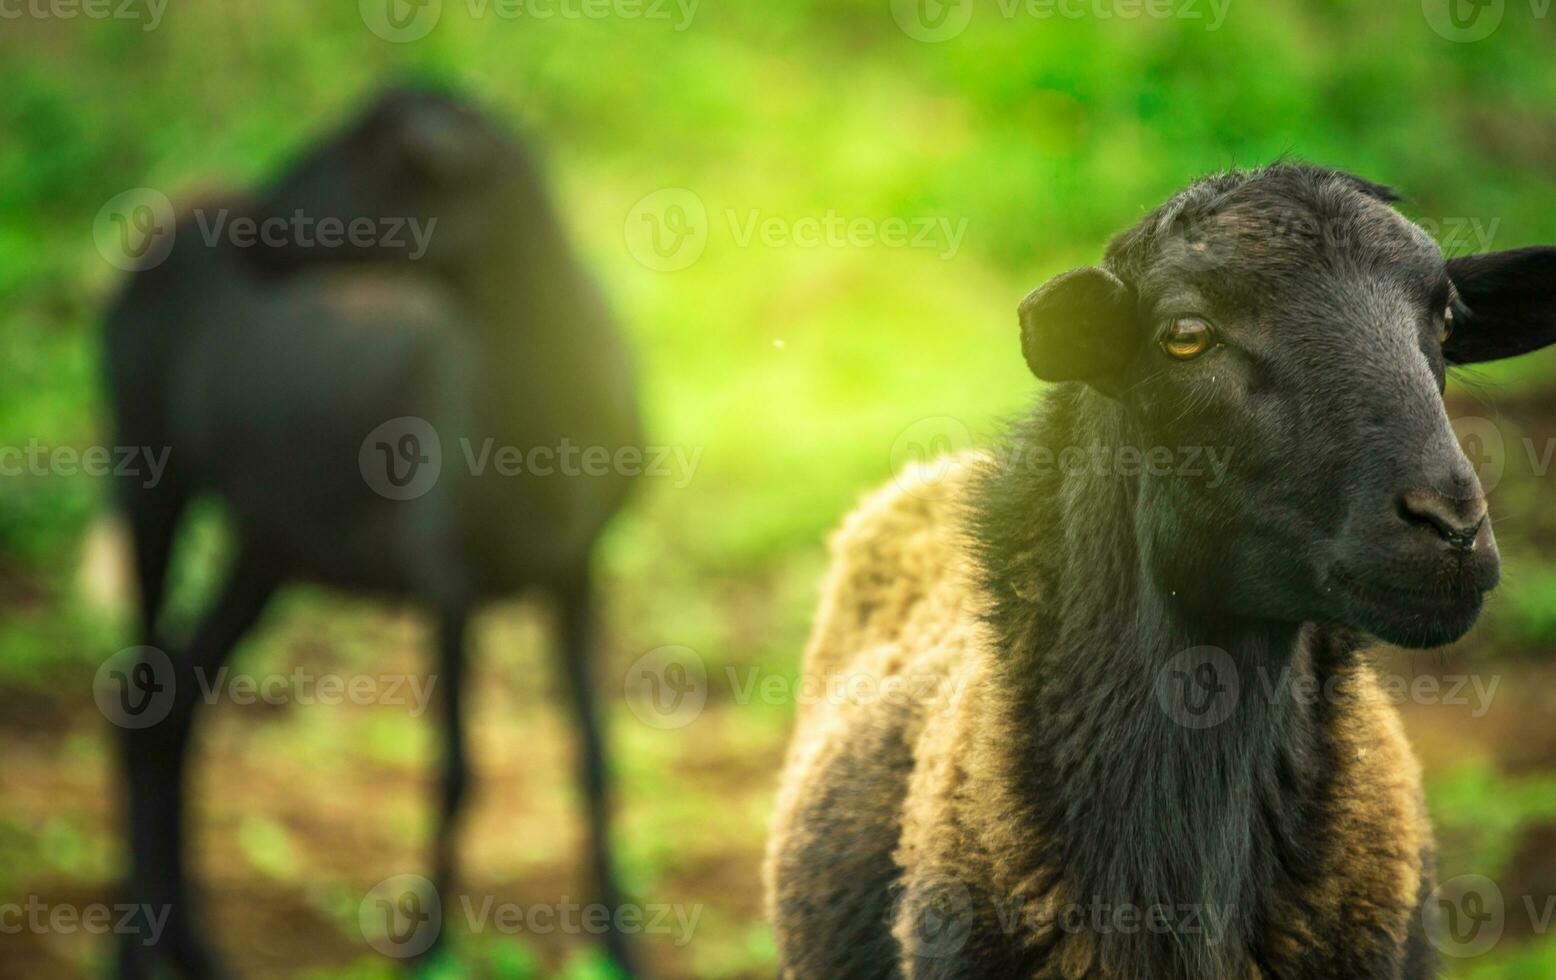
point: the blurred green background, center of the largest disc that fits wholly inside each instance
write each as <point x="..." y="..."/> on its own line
<point x="802" y="370"/>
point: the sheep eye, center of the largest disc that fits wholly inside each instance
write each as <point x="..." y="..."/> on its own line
<point x="1447" y="328"/>
<point x="1188" y="338"/>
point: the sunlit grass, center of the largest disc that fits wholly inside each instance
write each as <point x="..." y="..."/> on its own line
<point x="792" y="371"/>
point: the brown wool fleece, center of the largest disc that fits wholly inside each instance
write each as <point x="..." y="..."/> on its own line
<point x="902" y="840"/>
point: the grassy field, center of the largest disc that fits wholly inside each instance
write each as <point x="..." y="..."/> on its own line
<point x="865" y="209"/>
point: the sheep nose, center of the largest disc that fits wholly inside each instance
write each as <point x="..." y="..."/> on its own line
<point x="1456" y="520"/>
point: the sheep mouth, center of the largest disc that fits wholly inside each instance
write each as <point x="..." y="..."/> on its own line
<point x="1410" y="616"/>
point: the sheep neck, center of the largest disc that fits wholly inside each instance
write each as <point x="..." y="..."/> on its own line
<point x="516" y="266"/>
<point x="1137" y="801"/>
<point x="546" y="334"/>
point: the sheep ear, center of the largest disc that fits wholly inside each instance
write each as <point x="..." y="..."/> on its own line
<point x="1080" y="327"/>
<point x="1508" y="304"/>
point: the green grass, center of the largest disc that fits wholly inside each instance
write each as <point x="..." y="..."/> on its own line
<point x="796" y="372"/>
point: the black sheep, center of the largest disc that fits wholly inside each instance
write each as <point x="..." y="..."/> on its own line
<point x="1109" y="768"/>
<point x="331" y="389"/>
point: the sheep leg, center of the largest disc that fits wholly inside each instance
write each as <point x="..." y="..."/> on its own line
<point x="578" y="649"/>
<point x="153" y="516"/>
<point x="154" y="759"/>
<point x="456" y="775"/>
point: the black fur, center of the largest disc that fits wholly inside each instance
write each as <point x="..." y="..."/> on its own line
<point x="1259" y="502"/>
<point x="1139" y="809"/>
<point x="1327" y="397"/>
<point x="264" y="369"/>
